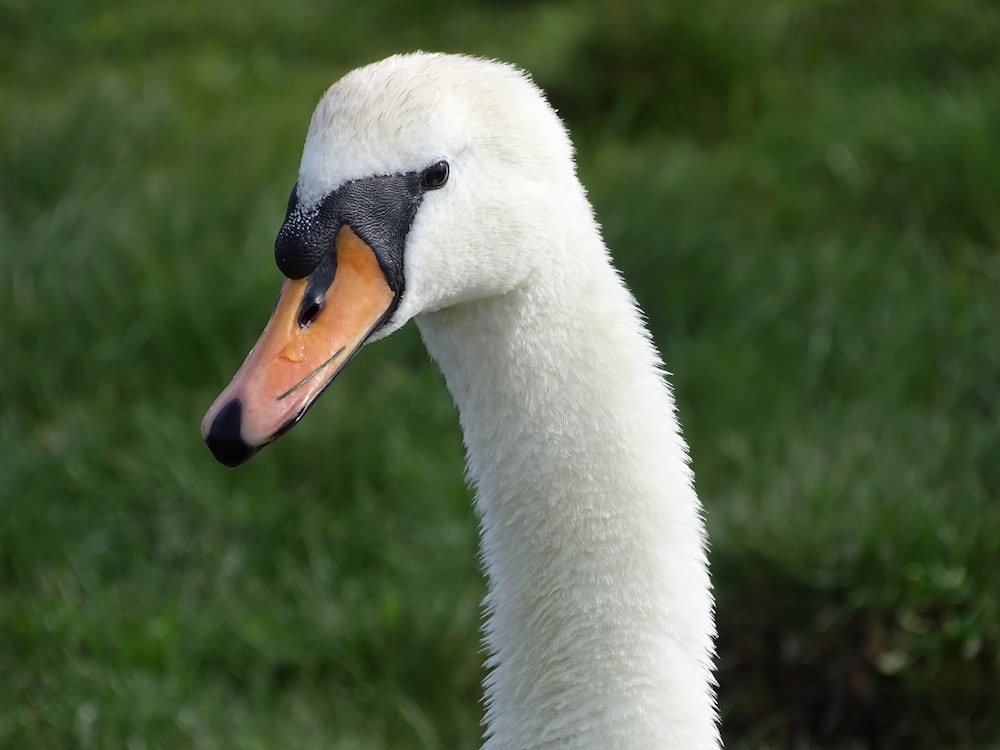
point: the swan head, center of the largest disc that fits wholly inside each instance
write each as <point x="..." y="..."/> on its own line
<point x="426" y="181"/>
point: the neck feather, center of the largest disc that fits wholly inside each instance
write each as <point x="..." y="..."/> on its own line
<point x="599" y="609"/>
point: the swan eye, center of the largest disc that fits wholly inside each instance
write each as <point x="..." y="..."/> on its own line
<point x="435" y="176"/>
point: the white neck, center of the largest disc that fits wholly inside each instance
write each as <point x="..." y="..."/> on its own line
<point x="599" y="609"/>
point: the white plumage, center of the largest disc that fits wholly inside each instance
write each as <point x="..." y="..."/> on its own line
<point x="599" y="621"/>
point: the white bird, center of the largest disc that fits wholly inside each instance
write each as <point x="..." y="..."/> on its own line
<point x="443" y="189"/>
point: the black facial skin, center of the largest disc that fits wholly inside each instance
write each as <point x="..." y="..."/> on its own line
<point x="379" y="209"/>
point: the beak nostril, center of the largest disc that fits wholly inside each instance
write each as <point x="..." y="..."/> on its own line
<point x="315" y="295"/>
<point x="309" y="310"/>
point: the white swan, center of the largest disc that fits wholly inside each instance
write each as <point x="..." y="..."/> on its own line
<point x="443" y="189"/>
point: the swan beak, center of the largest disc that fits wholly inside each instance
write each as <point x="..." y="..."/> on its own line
<point x="309" y="338"/>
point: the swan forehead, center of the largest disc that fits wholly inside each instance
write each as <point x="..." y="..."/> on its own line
<point x="404" y="112"/>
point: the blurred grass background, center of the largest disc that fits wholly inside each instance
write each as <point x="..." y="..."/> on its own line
<point x="805" y="197"/>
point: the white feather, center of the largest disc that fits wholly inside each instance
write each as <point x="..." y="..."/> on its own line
<point x="599" y="621"/>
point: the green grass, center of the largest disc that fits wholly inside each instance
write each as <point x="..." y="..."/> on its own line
<point x="805" y="198"/>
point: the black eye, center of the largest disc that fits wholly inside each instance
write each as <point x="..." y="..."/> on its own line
<point x="435" y="176"/>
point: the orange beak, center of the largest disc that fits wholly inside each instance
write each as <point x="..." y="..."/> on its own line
<point x="299" y="352"/>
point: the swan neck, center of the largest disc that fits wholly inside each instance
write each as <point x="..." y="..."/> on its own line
<point x="599" y="610"/>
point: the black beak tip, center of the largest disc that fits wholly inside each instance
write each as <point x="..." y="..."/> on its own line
<point x="224" y="437"/>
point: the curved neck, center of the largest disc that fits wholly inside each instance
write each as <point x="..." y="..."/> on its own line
<point x="599" y="610"/>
